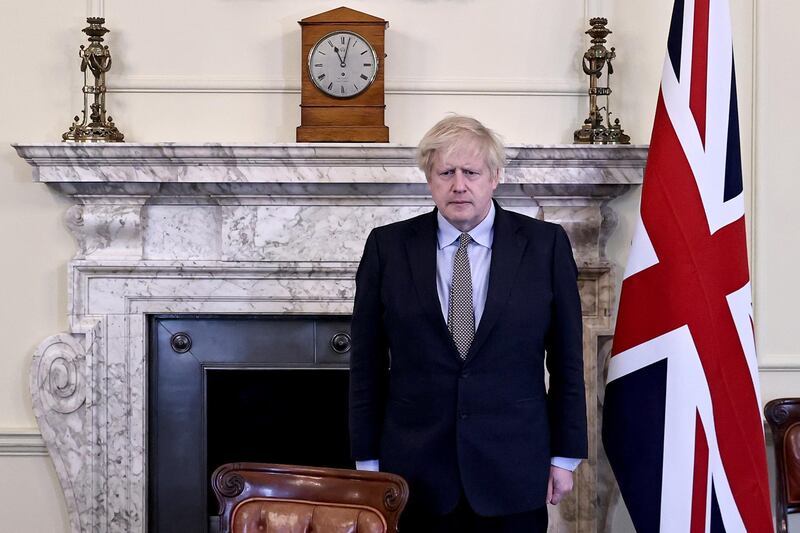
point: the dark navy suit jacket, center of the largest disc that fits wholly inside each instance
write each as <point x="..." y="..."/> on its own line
<point x="486" y="425"/>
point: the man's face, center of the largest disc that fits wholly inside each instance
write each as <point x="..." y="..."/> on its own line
<point x="462" y="186"/>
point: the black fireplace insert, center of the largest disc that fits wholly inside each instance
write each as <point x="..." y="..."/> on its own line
<point x="230" y="388"/>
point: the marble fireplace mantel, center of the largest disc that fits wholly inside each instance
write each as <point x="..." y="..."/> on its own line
<point x="211" y="228"/>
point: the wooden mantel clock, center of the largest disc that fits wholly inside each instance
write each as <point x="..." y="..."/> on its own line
<point x="342" y="95"/>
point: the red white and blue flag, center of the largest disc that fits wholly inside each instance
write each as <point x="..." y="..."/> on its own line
<point x="682" y="424"/>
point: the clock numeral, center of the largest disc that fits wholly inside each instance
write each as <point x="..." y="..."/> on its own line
<point x="363" y="77"/>
<point x="320" y="64"/>
<point x="365" y="51"/>
<point x="330" y="86"/>
<point x="354" y="43"/>
<point x="321" y="52"/>
<point x="356" y="86"/>
<point x="342" y="39"/>
<point x="330" y="43"/>
<point x="342" y="88"/>
<point x="367" y="64"/>
<point x="321" y="77"/>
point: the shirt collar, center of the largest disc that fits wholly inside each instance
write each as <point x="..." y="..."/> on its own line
<point x="482" y="234"/>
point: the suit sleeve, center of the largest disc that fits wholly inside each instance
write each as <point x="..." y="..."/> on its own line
<point x="369" y="357"/>
<point x="566" y="396"/>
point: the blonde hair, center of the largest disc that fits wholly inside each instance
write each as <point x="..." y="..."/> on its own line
<point x="454" y="130"/>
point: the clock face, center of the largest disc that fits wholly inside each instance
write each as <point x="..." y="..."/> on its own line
<point x="342" y="64"/>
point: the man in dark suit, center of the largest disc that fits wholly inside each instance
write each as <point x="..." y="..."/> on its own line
<point x="454" y="313"/>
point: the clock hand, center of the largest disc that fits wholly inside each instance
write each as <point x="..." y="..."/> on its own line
<point x="347" y="49"/>
<point x="341" y="61"/>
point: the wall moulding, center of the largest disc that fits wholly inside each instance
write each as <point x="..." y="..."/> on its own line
<point x="403" y="86"/>
<point x="264" y="229"/>
<point x="21" y="442"/>
<point x="782" y="362"/>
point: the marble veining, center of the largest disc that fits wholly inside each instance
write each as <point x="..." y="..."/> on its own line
<point x="266" y="229"/>
<point x="309" y="163"/>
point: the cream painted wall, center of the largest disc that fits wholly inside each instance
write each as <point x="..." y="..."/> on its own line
<point x="776" y="243"/>
<point x="229" y="70"/>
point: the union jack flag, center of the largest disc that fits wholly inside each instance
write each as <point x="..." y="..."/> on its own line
<point x="682" y="423"/>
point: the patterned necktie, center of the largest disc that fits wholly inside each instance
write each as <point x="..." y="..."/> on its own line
<point x="460" y="314"/>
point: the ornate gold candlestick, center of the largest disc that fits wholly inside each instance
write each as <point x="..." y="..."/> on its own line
<point x="595" y="59"/>
<point x="94" y="126"/>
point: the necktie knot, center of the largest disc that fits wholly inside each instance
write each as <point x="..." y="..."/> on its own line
<point x="464" y="239"/>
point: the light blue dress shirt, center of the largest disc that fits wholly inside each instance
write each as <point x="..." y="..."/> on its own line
<point x="480" y="259"/>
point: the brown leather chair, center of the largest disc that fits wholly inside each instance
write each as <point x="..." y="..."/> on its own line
<point x="783" y="416"/>
<point x="260" y="497"/>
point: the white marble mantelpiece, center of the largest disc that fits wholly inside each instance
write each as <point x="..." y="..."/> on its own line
<point x="172" y="228"/>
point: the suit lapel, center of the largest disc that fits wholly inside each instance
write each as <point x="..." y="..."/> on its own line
<point x="421" y="248"/>
<point x="508" y="246"/>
